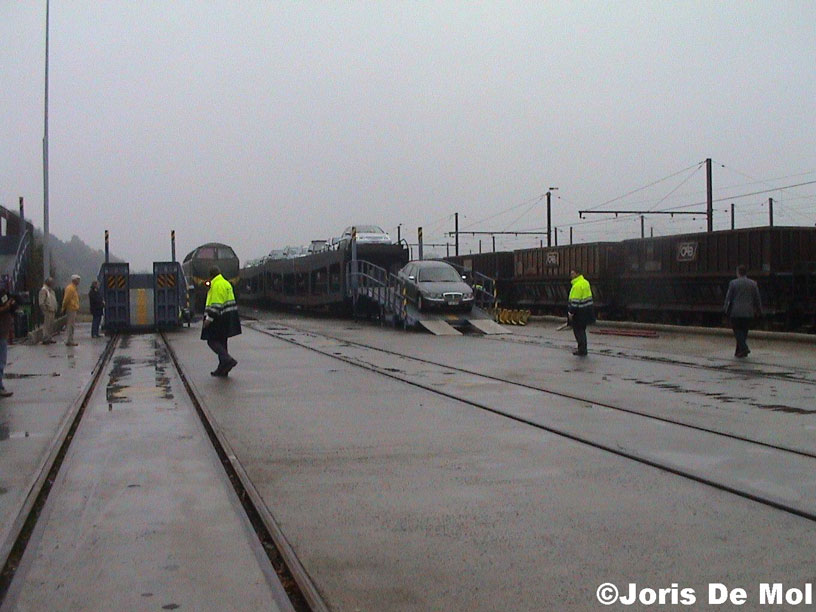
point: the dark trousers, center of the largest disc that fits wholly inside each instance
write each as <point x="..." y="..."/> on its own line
<point x="219" y="347"/>
<point x="579" y="331"/>
<point x="97" y="319"/>
<point x="740" y="325"/>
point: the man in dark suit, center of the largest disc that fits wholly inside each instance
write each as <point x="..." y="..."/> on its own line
<point x="742" y="305"/>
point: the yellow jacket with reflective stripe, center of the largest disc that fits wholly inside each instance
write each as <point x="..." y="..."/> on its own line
<point x="220" y="293"/>
<point x="580" y="294"/>
<point x="581" y="306"/>
<point x="221" y="310"/>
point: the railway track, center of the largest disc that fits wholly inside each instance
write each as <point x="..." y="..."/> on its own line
<point x="570" y="396"/>
<point x="301" y="593"/>
<point x="604" y="427"/>
<point x="797" y="375"/>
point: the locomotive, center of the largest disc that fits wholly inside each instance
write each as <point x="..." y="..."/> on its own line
<point x="196" y="267"/>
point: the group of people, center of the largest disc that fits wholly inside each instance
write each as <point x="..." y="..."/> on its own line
<point x="742" y="306"/>
<point x="70" y="306"/>
<point x="48" y="307"/>
<point x="221" y="321"/>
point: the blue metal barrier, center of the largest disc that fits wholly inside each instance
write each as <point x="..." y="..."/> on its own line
<point x="169" y="289"/>
<point x="115" y="281"/>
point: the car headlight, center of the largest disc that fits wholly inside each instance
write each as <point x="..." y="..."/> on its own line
<point x="434" y="296"/>
<point x="467" y="296"/>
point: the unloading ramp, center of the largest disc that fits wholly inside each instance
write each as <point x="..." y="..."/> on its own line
<point x="370" y="286"/>
<point x="143" y="301"/>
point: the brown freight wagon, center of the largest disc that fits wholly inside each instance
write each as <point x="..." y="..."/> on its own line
<point x="497" y="265"/>
<point x="541" y="276"/>
<point x="683" y="278"/>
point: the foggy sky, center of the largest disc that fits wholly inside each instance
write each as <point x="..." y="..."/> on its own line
<point x="262" y="124"/>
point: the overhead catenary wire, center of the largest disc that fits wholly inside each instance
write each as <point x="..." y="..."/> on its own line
<point x="524" y="213"/>
<point x="744" y="195"/>
<point x="784" y="204"/>
<point x="652" y="184"/>
<point x="532" y="200"/>
<point x="683" y="182"/>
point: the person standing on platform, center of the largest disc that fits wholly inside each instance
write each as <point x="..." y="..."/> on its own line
<point x="581" y="310"/>
<point x="742" y="305"/>
<point x="221" y="321"/>
<point x="70" y="306"/>
<point x="97" y="305"/>
<point x="7" y="308"/>
<point x="48" y="306"/>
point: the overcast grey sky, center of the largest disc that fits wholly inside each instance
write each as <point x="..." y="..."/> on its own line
<point x="263" y="124"/>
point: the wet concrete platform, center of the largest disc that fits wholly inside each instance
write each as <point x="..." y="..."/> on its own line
<point x="47" y="382"/>
<point x="142" y="515"/>
<point x="394" y="497"/>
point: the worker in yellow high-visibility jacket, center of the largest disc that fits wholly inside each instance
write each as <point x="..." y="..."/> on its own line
<point x="220" y="321"/>
<point x="581" y="310"/>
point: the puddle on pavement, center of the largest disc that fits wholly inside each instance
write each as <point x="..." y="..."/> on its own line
<point x="781" y="408"/>
<point x="160" y="364"/>
<point x="15" y="375"/>
<point x="721" y="397"/>
<point x="121" y="375"/>
<point x="121" y="369"/>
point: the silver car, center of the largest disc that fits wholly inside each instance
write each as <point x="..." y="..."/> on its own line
<point x="436" y="285"/>
<point x="366" y="234"/>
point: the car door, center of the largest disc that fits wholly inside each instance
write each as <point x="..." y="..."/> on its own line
<point x="410" y="285"/>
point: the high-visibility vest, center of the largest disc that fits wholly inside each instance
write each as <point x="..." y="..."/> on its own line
<point x="220" y="297"/>
<point x="580" y="295"/>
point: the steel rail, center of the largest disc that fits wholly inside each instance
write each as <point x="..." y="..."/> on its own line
<point x="530" y="340"/>
<point x="13" y="548"/>
<point x="548" y="428"/>
<point x="296" y="581"/>
<point x="573" y="397"/>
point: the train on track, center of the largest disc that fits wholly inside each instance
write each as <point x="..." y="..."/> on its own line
<point x="196" y="267"/>
<point x="678" y="279"/>
<point x="315" y="281"/>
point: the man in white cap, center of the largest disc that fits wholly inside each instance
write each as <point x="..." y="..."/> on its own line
<point x="70" y="306"/>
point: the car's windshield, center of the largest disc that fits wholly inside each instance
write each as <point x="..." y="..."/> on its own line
<point x="369" y="229"/>
<point x="442" y="274"/>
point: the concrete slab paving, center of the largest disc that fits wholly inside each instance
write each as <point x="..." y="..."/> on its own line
<point x="396" y="498"/>
<point x="142" y="515"/>
<point x="783" y="478"/>
<point x="691" y="378"/>
<point x="46" y="381"/>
